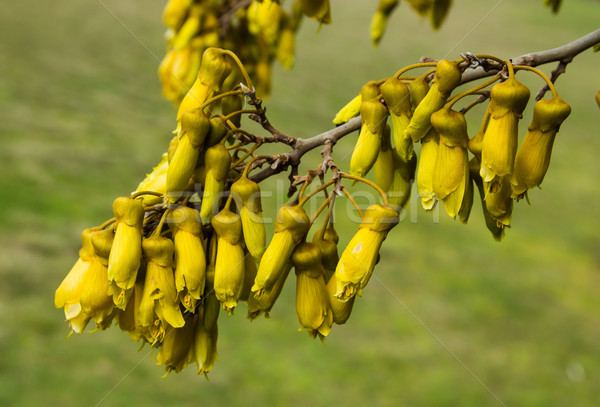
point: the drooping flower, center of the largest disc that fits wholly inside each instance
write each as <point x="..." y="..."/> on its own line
<point x="397" y="98"/>
<point x="427" y="160"/>
<point x="174" y="353"/>
<point x="368" y="144"/>
<point x="246" y="194"/>
<point x="380" y="19"/>
<point x="217" y="161"/>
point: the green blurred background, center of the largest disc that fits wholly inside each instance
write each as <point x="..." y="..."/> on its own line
<point x="82" y="120"/>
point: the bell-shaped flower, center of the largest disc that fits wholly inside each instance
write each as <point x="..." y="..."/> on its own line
<point x="312" y="305"/>
<point x="533" y="156"/>
<point x="291" y="226"/>
<point x="447" y="77"/>
<point x="190" y="259"/>
<point x="358" y="259"/>
<point x="229" y="263"/>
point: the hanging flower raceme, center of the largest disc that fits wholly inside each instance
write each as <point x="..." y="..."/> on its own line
<point x="229" y="265"/>
<point x="447" y="77"/>
<point x="507" y="103"/>
<point x="312" y="305"/>
<point x="368" y="144"/>
<point x="190" y="259"/>
<point x="217" y="162"/>
<point x="126" y="252"/>
<point x="533" y="157"/>
<point x="159" y="299"/>
<point x="291" y="225"/>
<point x="246" y="194"/>
<point x="358" y="259"/>
<point x="451" y="170"/>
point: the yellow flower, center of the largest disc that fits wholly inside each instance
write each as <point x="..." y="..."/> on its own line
<point x="263" y="19"/>
<point x="476" y="142"/>
<point x="160" y="296"/>
<point x="250" y="271"/>
<point x="128" y="319"/>
<point x="427" y="160"/>
<point x="175" y="13"/>
<point x="194" y="129"/>
<point x="327" y="241"/>
<point x="418" y="90"/>
<point x="177" y="72"/>
<point x="156" y="181"/>
<point x="265" y="302"/>
<point x="451" y="170"/>
<point x="68" y="294"/>
<point x="499" y="201"/>
<point x="229" y="264"/>
<point x="246" y="194"/>
<point x="291" y="225"/>
<point x="229" y="104"/>
<point x="447" y="77"/>
<point x="190" y="259"/>
<point x="176" y="347"/>
<point x="397" y="98"/>
<point x="312" y="305"/>
<point x="352" y="108"/>
<point x="217" y="162"/>
<point x="286" y="47"/>
<point x="490" y="222"/>
<point x="204" y="348"/>
<point x="126" y="252"/>
<point x="358" y="259"/>
<point x="94" y="299"/>
<point x="533" y="157"/>
<point x="211" y="307"/>
<point x="368" y="144"/>
<point x="439" y="11"/>
<point x="507" y="102"/>
<point x="403" y="177"/>
<point x="380" y="19"/>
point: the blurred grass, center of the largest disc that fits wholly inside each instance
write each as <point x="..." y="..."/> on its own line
<point x="82" y="120"/>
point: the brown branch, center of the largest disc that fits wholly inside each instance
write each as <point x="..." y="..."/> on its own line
<point x="560" y="69"/>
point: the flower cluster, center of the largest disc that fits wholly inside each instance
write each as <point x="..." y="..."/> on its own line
<point x="191" y="240"/>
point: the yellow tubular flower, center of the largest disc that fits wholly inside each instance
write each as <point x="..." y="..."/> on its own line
<point x="246" y="194"/>
<point x="380" y="19"/>
<point x="327" y="241"/>
<point x="204" y="348"/>
<point x="214" y="68"/>
<point x="250" y="271"/>
<point x="368" y="144"/>
<point x="286" y="47"/>
<point x="160" y="296"/>
<point x="194" y="129"/>
<point x="156" y="181"/>
<point x="176" y="347"/>
<point x="533" y="156"/>
<point x="397" y="98"/>
<point x="126" y="252"/>
<point x="68" y="294"/>
<point x="177" y="72"/>
<point x="404" y="176"/>
<point x="499" y="202"/>
<point x="451" y="170"/>
<point x="490" y="222"/>
<point x="291" y="225"/>
<point x="507" y="102"/>
<point x="312" y="305"/>
<point x="476" y="142"/>
<point x="418" y="90"/>
<point x="341" y="310"/>
<point x="268" y="297"/>
<point x="217" y="163"/>
<point x="318" y="10"/>
<point x="358" y="259"/>
<point x="384" y="165"/>
<point x="190" y="259"/>
<point x="268" y="15"/>
<point x="188" y="29"/>
<point x="230" y="263"/>
<point x="447" y="77"/>
<point x="467" y="203"/>
<point x="427" y="160"/>
<point x="352" y="108"/>
<point x="175" y="13"/>
<point x="94" y="299"/>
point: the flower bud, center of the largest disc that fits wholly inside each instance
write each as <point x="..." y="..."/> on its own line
<point x="418" y="90"/>
<point x="286" y="48"/>
<point x="291" y="225"/>
<point x="246" y="194"/>
<point x="190" y="259"/>
<point x="358" y="259"/>
<point x="263" y="20"/>
<point x="397" y="98"/>
<point x="192" y="24"/>
<point x="533" y="157"/>
<point x="507" y="102"/>
<point x="126" y="252"/>
<point x="451" y="170"/>
<point x="217" y="163"/>
<point x="447" y="77"/>
<point x="128" y="318"/>
<point x="215" y="67"/>
<point x="368" y="144"/>
<point x="312" y="305"/>
<point x="380" y="19"/>
<point x="439" y="11"/>
<point x="403" y="177"/>
<point x="350" y="110"/>
<point x="327" y="241"/>
<point x="229" y="265"/>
